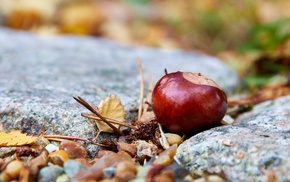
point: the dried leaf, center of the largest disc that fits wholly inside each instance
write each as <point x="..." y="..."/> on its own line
<point x="163" y="141"/>
<point x="145" y="148"/>
<point x="129" y="148"/>
<point x="147" y="117"/>
<point x="268" y="92"/>
<point x="111" y="108"/>
<point x="15" y="138"/>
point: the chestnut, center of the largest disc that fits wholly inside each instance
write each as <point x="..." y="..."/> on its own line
<point x="187" y="103"/>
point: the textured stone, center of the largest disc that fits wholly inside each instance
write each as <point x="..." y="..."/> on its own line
<point x="257" y="140"/>
<point x="39" y="76"/>
<point x="49" y="173"/>
<point x="72" y="167"/>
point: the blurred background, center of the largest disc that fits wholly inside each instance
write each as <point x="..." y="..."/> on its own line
<point x="253" y="37"/>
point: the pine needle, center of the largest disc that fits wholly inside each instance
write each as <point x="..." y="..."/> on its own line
<point x="141" y="89"/>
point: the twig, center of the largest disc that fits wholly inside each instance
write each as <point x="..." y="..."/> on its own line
<point x="101" y="144"/>
<point x="148" y="103"/>
<point x="89" y="107"/>
<point x="149" y="95"/>
<point x="64" y="137"/>
<point x="57" y="139"/>
<point x="90" y="116"/>
<point x="60" y="138"/>
<point x="141" y="89"/>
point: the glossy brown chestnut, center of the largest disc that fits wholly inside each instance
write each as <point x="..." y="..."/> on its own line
<point x="187" y="103"/>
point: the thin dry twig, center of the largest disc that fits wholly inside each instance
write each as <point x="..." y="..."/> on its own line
<point x="141" y="89"/>
<point x="90" y="116"/>
<point x="149" y="95"/>
<point x="64" y="137"/>
<point x="89" y="107"/>
<point x="101" y="144"/>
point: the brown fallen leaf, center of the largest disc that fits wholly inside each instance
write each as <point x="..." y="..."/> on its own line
<point x="111" y="108"/>
<point x="269" y="92"/>
<point x="129" y="148"/>
<point x="15" y="138"/>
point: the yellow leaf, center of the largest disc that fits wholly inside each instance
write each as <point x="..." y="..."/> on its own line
<point x="111" y="108"/>
<point x="15" y="138"/>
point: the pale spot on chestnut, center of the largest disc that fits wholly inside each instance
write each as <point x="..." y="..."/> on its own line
<point x="198" y="78"/>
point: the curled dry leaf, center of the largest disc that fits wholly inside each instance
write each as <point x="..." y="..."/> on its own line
<point x="129" y="148"/>
<point x="111" y="108"/>
<point x="163" y="141"/>
<point x="146" y="149"/>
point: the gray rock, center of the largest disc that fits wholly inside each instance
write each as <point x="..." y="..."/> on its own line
<point x="39" y="76"/>
<point x="109" y="172"/>
<point x="257" y="141"/>
<point x="72" y="167"/>
<point x="49" y="173"/>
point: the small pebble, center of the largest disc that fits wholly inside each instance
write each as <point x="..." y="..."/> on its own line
<point x="59" y="157"/>
<point x="180" y="171"/>
<point x="51" y="148"/>
<point x="173" y="138"/>
<point x="109" y="172"/>
<point x="49" y="173"/>
<point x="11" y="171"/>
<point x="227" y="120"/>
<point x="72" y="167"/>
<point x="214" y="178"/>
<point x="74" y="149"/>
<point x="62" y="178"/>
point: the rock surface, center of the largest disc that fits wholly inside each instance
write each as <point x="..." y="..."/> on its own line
<point x="39" y="76"/>
<point x="254" y="146"/>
